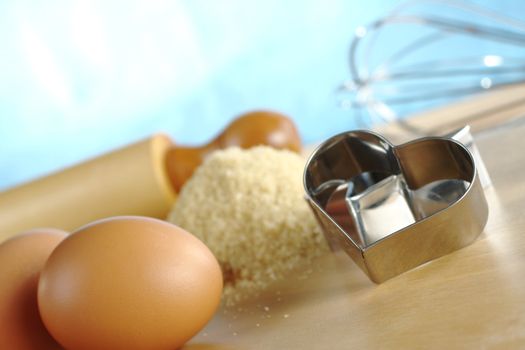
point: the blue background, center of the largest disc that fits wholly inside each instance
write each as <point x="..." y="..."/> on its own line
<point x="78" y="78"/>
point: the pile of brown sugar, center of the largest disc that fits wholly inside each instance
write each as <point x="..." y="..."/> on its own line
<point x="248" y="207"/>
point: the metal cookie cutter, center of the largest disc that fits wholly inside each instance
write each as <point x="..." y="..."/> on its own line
<point x="392" y="208"/>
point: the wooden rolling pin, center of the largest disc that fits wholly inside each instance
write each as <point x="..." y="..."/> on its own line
<point x="139" y="179"/>
<point x="250" y="129"/>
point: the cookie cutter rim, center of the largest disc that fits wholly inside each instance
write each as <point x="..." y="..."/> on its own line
<point x="443" y="232"/>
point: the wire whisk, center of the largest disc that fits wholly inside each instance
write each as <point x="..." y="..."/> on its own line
<point x="426" y="53"/>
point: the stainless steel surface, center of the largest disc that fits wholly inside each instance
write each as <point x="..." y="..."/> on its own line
<point x="392" y="208"/>
<point x="464" y="136"/>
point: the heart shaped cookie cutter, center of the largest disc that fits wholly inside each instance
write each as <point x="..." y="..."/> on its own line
<point x="392" y="208"/>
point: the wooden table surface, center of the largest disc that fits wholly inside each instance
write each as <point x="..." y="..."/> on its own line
<point x="473" y="298"/>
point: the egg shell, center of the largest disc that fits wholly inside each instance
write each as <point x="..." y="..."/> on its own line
<point x="129" y="283"/>
<point x="21" y="260"/>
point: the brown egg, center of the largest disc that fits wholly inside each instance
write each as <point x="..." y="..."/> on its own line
<point x="21" y="260"/>
<point x="129" y="283"/>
